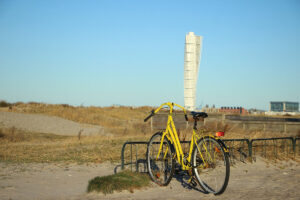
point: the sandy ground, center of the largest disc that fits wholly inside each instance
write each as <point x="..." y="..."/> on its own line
<point x="47" y="124"/>
<point x="48" y="181"/>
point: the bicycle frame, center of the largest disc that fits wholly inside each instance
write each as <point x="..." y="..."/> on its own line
<point x="206" y="153"/>
<point x="172" y="136"/>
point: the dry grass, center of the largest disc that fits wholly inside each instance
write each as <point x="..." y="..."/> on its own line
<point x="122" y="120"/>
<point x="22" y="147"/>
<point x="274" y="149"/>
<point x="119" y="120"/>
<point x="18" y="146"/>
<point x="125" y="124"/>
<point x="232" y="132"/>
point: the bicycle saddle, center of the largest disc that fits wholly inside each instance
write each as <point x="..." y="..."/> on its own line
<point x="197" y="115"/>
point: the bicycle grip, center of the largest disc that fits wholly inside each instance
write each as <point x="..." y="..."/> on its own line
<point x="152" y="113"/>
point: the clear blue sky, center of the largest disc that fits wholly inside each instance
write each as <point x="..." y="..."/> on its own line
<point x="132" y="52"/>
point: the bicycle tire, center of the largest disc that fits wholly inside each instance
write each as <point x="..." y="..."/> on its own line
<point x="213" y="174"/>
<point x="161" y="170"/>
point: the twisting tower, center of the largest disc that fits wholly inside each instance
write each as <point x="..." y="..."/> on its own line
<point x="192" y="56"/>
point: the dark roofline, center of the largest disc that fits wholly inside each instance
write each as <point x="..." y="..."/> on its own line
<point x="284" y="102"/>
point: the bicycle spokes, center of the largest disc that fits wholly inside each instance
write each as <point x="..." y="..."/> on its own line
<point x="211" y="165"/>
<point x="160" y="160"/>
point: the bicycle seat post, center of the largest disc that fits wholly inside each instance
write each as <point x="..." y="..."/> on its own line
<point x="195" y="124"/>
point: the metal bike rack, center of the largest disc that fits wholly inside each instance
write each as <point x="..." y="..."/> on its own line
<point x="134" y="146"/>
<point x="297" y="145"/>
<point x="275" y="144"/>
<point x="230" y="143"/>
<point x="294" y="144"/>
<point x="137" y="160"/>
<point x="136" y="153"/>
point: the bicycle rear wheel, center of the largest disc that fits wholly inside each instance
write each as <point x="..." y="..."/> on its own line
<point x="211" y="165"/>
<point x="159" y="160"/>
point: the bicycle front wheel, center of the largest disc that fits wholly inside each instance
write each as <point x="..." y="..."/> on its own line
<point x="211" y="165"/>
<point x="159" y="160"/>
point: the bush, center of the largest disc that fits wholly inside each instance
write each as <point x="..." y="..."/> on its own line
<point x="125" y="180"/>
<point x="5" y="104"/>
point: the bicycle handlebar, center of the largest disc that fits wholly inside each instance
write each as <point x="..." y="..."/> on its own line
<point x="171" y="105"/>
<point x="152" y="113"/>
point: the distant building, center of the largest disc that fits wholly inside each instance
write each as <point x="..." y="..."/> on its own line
<point x="284" y="106"/>
<point x="255" y="111"/>
<point x="233" y="110"/>
<point x="213" y="109"/>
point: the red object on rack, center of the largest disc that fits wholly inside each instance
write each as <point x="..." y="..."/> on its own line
<point x="220" y="134"/>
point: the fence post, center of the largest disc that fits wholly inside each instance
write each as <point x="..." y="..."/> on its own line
<point x="275" y="141"/>
<point x="223" y="119"/>
<point x="122" y="155"/>
<point x="136" y="158"/>
<point x="284" y="126"/>
<point x="250" y="148"/>
<point x="264" y="149"/>
<point x="131" y="156"/>
<point x="294" y="145"/>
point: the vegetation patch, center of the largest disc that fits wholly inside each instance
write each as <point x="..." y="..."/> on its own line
<point x="123" y="122"/>
<point x="125" y="180"/>
<point x="23" y="147"/>
<point x="13" y="135"/>
<point x="5" y="104"/>
<point x="118" y="120"/>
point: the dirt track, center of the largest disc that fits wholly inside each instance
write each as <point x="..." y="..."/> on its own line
<point x="47" y="124"/>
<point x="247" y="181"/>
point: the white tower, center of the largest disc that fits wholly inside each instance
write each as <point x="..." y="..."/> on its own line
<point x="192" y="56"/>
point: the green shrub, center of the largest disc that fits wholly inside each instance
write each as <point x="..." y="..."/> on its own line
<point x="125" y="180"/>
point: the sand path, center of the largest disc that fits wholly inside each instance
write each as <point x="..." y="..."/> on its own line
<point x="48" y="181"/>
<point x="47" y="124"/>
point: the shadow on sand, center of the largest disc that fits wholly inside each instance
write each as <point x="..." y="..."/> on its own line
<point x="179" y="175"/>
<point x="183" y="177"/>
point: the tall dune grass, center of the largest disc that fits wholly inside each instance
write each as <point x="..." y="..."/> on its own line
<point x="126" y="123"/>
<point x="21" y="147"/>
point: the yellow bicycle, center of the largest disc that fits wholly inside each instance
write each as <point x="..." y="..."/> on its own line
<point x="206" y="162"/>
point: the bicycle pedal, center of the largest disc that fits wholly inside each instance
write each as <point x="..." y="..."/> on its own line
<point x="192" y="182"/>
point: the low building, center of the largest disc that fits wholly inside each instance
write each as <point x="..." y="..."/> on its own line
<point x="255" y="111"/>
<point x="284" y="106"/>
<point x="233" y="110"/>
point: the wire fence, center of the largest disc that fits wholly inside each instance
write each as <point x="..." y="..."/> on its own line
<point x="133" y="154"/>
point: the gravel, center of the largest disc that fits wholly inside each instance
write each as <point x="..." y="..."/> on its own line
<point x="47" y="124"/>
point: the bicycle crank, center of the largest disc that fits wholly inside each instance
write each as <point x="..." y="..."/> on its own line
<point x="192" y="181"/>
